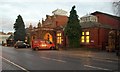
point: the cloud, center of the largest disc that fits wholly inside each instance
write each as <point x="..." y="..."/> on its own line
<point x="6" y="24"/>
<point x="32" y="12"/>
<point x="58" y="0"/>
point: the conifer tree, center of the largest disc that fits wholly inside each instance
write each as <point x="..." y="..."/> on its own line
<point x="19" y="27"/>
<point x="73" y="29"/>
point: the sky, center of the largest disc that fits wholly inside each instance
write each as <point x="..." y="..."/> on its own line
<point x="34" y="10"/>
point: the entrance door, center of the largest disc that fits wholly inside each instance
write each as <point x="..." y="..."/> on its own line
<point x="48" y="37"/>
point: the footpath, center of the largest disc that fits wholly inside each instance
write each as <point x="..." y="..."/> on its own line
<point x="92" y="53"/>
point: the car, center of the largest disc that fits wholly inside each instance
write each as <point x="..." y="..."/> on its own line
<point x="42" y="44"/>
<point x="21" y="44"/>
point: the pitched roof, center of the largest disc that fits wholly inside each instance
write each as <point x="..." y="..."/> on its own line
<point x="97" y="12"/>
<point x="60" y="12"/>
<point x="95" y="24"/>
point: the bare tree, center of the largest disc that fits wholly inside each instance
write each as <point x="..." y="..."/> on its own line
<point x="116" y="7"/>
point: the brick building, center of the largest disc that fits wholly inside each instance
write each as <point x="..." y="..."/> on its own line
<point x="96" y="28"/>
<point x="51" y="28"/>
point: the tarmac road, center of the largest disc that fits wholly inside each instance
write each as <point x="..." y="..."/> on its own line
<point x="26" y="59"/>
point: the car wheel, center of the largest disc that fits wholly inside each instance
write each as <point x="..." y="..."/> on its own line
<point x="36" y="49"/>
<point x="33" y="49"/>
<point x="26" y="46"/>
<point x="16" y="47"/>
<point x="52" y="48"/>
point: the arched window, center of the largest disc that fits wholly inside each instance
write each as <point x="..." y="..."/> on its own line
<point x="48" y="36"/>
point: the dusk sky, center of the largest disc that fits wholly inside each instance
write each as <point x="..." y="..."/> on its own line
<point x="34" y="10"/>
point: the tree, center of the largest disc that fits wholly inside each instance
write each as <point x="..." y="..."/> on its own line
<point x="19" y="27"/>
<point x="73" y="29"/>
<point x="116" y="7"/>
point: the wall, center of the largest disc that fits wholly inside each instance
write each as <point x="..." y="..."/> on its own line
<point x="98" y="38"/>
<point x="54" y="21"/>
<point x="108" y="20"/>
<point x="3" y="38"/>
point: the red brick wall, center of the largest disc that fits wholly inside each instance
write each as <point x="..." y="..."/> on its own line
<point x="55" y="21"/>
<point x="98" y="37"/>
<point x="103" y="37"/>
<point x="61" y="20"/>
<point x="104" y="19"/>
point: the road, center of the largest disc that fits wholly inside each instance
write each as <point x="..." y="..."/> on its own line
<point x="27" y="59"/>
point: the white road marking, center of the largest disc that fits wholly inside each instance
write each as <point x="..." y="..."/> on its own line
<point x="95" y="67"/>
<point x="105" y="60"/>
<point x="89" y="56"/>
<point x="59" y="60"/>
<point x="53" y="59"/>
<point x="14" y="64"/>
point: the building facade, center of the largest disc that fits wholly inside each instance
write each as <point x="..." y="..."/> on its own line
<point x="51" y="28"/>
<point x="95" y="29"/>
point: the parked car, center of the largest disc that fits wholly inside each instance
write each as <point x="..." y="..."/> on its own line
<point x="21" y="44"/>
<point x="42" y="44"/>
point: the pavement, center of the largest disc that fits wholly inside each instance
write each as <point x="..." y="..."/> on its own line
<point x="91" y="53"/>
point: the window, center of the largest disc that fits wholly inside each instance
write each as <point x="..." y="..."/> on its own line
<point x="87" y="33"/>
<point x="58" y="34"/>
<point x="85" y="38"/>
<point x="82" y="33"/>
<point x="82" y="39"/>
<point x="59" y="38"/>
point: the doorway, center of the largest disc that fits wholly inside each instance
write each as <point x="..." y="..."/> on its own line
<point x="48" y="37"/>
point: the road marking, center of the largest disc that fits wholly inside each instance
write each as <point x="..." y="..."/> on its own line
<point x="14" y="64"/>
<point x="105" y="60"/>
<point x="53" y="59"/>
<point x="95" y="67"/>
<point x="94" y="58"/>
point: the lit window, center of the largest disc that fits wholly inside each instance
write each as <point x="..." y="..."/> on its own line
<point x="87" y="39"/>
<point x="59" y="38"/>
<point x="82" y="33"/>
<point x="87" y="33"/>
<point x="82" y="39"/>
<point x="58" y="34"/>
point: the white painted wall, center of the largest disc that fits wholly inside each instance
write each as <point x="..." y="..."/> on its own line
<point x="3" y="38"/>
